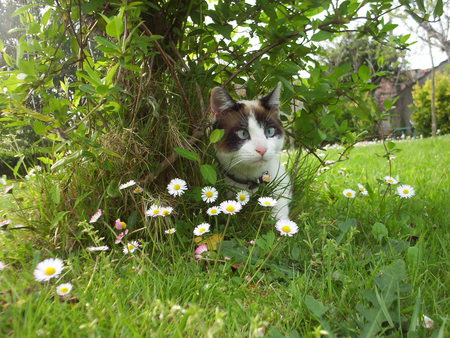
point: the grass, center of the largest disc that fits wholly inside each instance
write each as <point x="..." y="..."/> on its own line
<point x="368" y="266"/>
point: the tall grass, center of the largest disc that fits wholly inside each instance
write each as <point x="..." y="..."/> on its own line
<point x="335" y="275"/>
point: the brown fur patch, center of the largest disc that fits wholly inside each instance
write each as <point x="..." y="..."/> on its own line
<point x="232" y="120"/>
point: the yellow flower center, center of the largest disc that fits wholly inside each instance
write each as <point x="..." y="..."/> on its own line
<point x="177" y="187"/>
<point x="406" y="191"/>
<point x="50" y="271"/>
<point x="213" y="211"/>
<point x="64" y="290"/>
<point x="209" y="194"/>
<point x="130" y="246"/>
<point x="286" y="228"/>
<point x="165" y="212"/>
<point x="202" y="230"/>
<point x="390" y="181"/>
<point x="242" y="197"/>
<point x="230" y="208"/>
<point x="267" y="203"/>
<point x="349" y="194"/>
<point x="124" y="225"/>
<point x="156" y="212"/>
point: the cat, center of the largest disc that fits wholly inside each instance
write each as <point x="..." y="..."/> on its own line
<point x="250" y="148"/>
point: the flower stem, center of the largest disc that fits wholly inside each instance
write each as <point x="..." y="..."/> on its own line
<point x="249" y="258"/>
<point x="265" y="260"/>
<point x="219" y="249"/>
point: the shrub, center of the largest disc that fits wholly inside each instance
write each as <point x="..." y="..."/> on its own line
<point x="422" y="105"/>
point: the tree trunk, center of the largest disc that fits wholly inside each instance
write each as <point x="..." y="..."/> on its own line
<point x="433" y="91"/>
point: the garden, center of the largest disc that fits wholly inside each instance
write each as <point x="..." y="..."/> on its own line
<point x="117" y="218"/>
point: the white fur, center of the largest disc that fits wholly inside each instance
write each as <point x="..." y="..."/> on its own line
<point x="248" y="164"/>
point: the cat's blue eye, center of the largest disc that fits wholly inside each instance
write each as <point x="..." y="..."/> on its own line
<point x="242" y="134"/>
<point x="270" y="132"/>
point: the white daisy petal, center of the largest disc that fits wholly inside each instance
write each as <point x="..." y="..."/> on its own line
<point x="349" y="193"/>
<point x="230" y="207"/>
<point x="47" y="269"/>
<point x="390" y="180"/>
<point x="127" y="185"/>
<point x="405" y="191"/>
<point x="154" y="211"/>
<point x="243" y="197"/>
<point x="209" y="194"/>
<point x="362" y="190"/>
<point x="201" y="229"/>
<point x="170" y="231"/>
<point x="267" y="201"/>
<point x="177" y="187"/>
<point x="130" y="247"/>
<point x="286" y="227"/>
<point x="213" y="211"/>
<point x="64" y="289"/>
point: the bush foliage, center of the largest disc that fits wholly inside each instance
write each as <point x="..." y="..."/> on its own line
<point x="118" y="90"/>
<point x="421" y="106"/>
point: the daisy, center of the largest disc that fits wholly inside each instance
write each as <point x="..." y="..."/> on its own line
<point x="166" y="211"/>
<point x="405" y="191"/>
<point x="96" y="216"/>
<point x="137" y="190"/>
<point x="170" y="231"/>
<point x="98" y="248"/>
<point x="230" y="207"/>
<point x="130" y="247"/>
<point x="48" y="268"/>
<point x="201" y="249"/>
<point x="154" y="211"/>
<point x="286" y="227"/>
<point x="8" y="188"/>
<point x="64" y="289"/>
<point x="120" y="225"/>
<point x="213" y="211"/>
<point x="362" y="190"/>
<point x="267" y="201"/>
<point x="266" y="178"/>
<point x="120" y="236"/>
<point x="209" y="194"/>
<point x="243" y="197"/>
<point x="2" y="265"/>
<point x="390" y="180"/>
<point x="177" y="187"/>
<point x="349" y="193"/>
<point x="127" y="185"/>
<point x="201" y="229"/>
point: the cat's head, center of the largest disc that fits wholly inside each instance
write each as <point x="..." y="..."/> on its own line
<point x="253" y="131"/>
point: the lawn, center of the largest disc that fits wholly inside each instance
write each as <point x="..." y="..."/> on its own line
<point x="364" y="266"/>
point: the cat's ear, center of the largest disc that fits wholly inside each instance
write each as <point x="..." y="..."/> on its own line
<point x="272" y="100"/>
<point x="221" y="101"/>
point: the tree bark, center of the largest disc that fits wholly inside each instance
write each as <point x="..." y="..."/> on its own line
<point x="433" y="91"/>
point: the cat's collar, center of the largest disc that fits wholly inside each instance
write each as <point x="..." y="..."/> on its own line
<point x="252" y="184"/>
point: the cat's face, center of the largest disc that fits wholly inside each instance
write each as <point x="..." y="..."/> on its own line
<point x="253" y="131"/>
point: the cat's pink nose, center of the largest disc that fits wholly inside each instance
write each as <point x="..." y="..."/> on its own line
<point x="261" y="151"/>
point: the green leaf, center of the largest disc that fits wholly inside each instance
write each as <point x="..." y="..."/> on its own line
<point x="390" y="145"/>
<point x="114" y="27"/>
<point x="55" y="194"/>
<point x="66" y="160"/>
<point x="216" y="135"/>
<point x="104" y="42"/>
<point x="209" y="173"/>
<point x="113" y="189"/>
<point x="190" y="155"/>
<point x="379" y="231"/>
<point x="39" y="128"/>
<point x="415" y="316"/>
<point x="316" y="307"/>
<point x="321" y="35"/>
<point x="24" y="9"/>
<point x="364" y="73"/>
<point x="45" y="160"/>
<point x="439" y="9"/>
